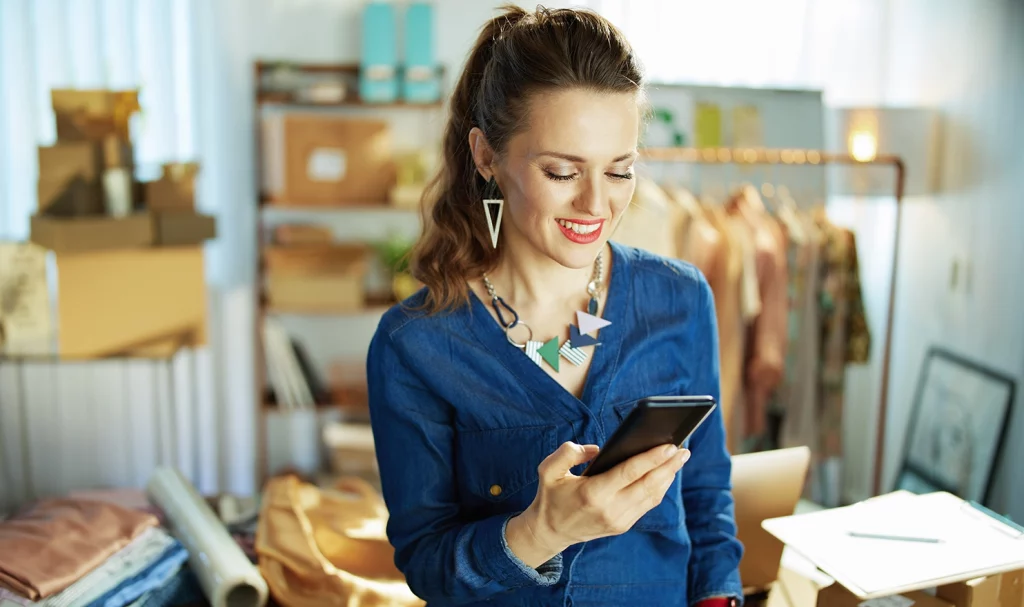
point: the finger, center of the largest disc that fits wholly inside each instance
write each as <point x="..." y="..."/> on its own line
<point x="634" y="469"/>
<point x="569" y="454"/>
<point x="649" y="490"/>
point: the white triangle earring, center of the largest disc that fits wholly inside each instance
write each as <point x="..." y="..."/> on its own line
<point x="494" y="205"/>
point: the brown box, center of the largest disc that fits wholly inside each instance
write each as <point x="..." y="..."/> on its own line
<point x="64" y="160"/>
<point x="83" y="234"/>
<point x="321" y="159"/>
<point x="123" y="302"/>
<point x="316" y="292"/>
<point x="175" y="190"/>
<point x="73" y="197"/>
<point x="317" y="259"/>
<point x="1005" y="590"/>
<point x="93" y="114"/>
<point x="176" y="228"/>
<point x="71" y="174"/>
<point x="838" y="596"/>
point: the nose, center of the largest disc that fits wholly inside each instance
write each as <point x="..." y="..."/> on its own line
<point x="592" y="198"/>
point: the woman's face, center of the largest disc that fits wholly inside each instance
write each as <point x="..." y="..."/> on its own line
<point x="568" y="177"/>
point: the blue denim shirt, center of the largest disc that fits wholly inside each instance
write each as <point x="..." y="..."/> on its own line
<point x="462" y="419"/>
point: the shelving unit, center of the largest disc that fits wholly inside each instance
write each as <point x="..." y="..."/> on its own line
<point x="349" y="222"/>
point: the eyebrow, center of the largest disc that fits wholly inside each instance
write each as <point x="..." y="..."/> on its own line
<point x="572" y="158"/>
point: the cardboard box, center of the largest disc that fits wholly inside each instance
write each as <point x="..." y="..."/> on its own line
<point x="74" y="197"/>
<point x="323" y="159"/>
<point x="118" y="302"/>
<point x="100" y="233"/>
<point x="317" y="259"/>
<point x="64" y="160"/>
<point x="1006" y="590"/>
<point x="316" y="292"/>
<point x="175" y="190"/>
<point x="838" y="596"/>
<point x="84" y="234"/>
<point x="177" y="228"/>
<point x="93" y="114"/>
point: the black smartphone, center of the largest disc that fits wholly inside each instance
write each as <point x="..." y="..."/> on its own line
<point x="656" y="420"/>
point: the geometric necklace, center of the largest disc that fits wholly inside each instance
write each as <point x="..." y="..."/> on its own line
<point x="580" y="334"/>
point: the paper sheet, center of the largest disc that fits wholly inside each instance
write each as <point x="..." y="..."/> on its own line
<point x="227" y="577"/>
<point x="888" y="601"/>
<point x="969" y="545"/>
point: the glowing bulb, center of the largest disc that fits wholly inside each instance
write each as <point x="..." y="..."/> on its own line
<point x="863" y="146"/>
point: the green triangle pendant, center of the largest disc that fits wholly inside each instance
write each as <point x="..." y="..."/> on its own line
<point x="549" y="352"/>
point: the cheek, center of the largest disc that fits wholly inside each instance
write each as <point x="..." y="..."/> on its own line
<point x="622" y="197"/>
<point x="540" y="197"/>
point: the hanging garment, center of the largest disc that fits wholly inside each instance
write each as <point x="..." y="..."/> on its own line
<point x="767" y="345"/>
<point x="844" y="332"/>
<point x="697" y="240"/>
<point x="320" y="547"/>
<point x="651" y="221"/>
<point x="727" y="287"/>
<point x="49" y="546"/>
<point x="798" y="394"/>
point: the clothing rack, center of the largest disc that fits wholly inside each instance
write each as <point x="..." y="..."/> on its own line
<point x="810" y="158"/>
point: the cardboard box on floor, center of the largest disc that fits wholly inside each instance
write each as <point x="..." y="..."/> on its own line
<point x="837" y="596"/>
<point x="130" y="302"/>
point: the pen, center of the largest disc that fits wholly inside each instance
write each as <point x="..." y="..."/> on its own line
<point x="900" y="538"/>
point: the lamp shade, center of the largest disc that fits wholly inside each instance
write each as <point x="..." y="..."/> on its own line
<point x="913" y="134"/>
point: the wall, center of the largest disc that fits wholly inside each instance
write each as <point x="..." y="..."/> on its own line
<point x="968" y="59"/>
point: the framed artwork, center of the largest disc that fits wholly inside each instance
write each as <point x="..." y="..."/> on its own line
<point x="957" y="427"/>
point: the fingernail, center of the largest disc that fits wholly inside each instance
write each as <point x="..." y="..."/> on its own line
<point x="668" y="450"/>
<point x="684" y="455"/>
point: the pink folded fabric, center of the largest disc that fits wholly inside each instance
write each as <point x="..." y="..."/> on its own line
<point x="53" y="543"/>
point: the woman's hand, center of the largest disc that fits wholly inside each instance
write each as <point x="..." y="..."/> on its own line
<point x="570" y="509"/>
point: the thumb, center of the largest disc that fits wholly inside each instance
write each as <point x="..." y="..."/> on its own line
<point x="569" y="454"/>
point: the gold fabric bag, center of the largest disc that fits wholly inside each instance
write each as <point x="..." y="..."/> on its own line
<point x="328" y="547"/>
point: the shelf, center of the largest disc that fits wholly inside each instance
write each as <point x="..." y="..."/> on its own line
<point x="378" y="310"/>
<point x="275" y="100"/>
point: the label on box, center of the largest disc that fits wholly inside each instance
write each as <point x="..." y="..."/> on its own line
<point x="326" y="164"/>
<point x="888" y="601"/>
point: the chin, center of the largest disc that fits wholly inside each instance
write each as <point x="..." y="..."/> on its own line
<point x="576" y="256"/>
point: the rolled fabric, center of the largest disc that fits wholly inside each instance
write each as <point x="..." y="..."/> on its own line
<point x="227" y="577"/>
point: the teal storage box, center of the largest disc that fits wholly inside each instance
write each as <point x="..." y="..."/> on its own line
<point x="378" y="65"/>
<point x="421" y="81"/>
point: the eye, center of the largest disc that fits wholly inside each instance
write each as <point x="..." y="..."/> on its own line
<point x="557" y="177"/>
<point x="620" y="176"/>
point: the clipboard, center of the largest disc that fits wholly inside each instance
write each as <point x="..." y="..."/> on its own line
<point x="860" y="547"/>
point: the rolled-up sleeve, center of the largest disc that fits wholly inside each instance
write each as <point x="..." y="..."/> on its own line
<point x="707" y="485"/>
<point x="445" y="560"/>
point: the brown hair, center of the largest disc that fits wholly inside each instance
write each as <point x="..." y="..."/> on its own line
<point x="517" y="54"/>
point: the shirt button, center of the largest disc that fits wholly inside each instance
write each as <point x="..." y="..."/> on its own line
<point x="495" y="490"/>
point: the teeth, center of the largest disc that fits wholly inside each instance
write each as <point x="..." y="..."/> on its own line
<point x="579" y="228"/>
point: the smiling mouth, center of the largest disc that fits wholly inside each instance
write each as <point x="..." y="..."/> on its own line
<point x="581" y="232"/>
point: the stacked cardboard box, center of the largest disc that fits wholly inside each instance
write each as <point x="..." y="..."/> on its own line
<point x="130" y="277"/>
<point x="316" y="277"/>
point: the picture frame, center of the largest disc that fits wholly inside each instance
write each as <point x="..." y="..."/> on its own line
<point x="957" y="428"/>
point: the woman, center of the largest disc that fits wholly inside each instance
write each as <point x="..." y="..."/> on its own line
<point x="487" y="391"/>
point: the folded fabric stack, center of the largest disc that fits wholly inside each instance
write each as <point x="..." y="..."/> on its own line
<point x="89" y="553"/>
